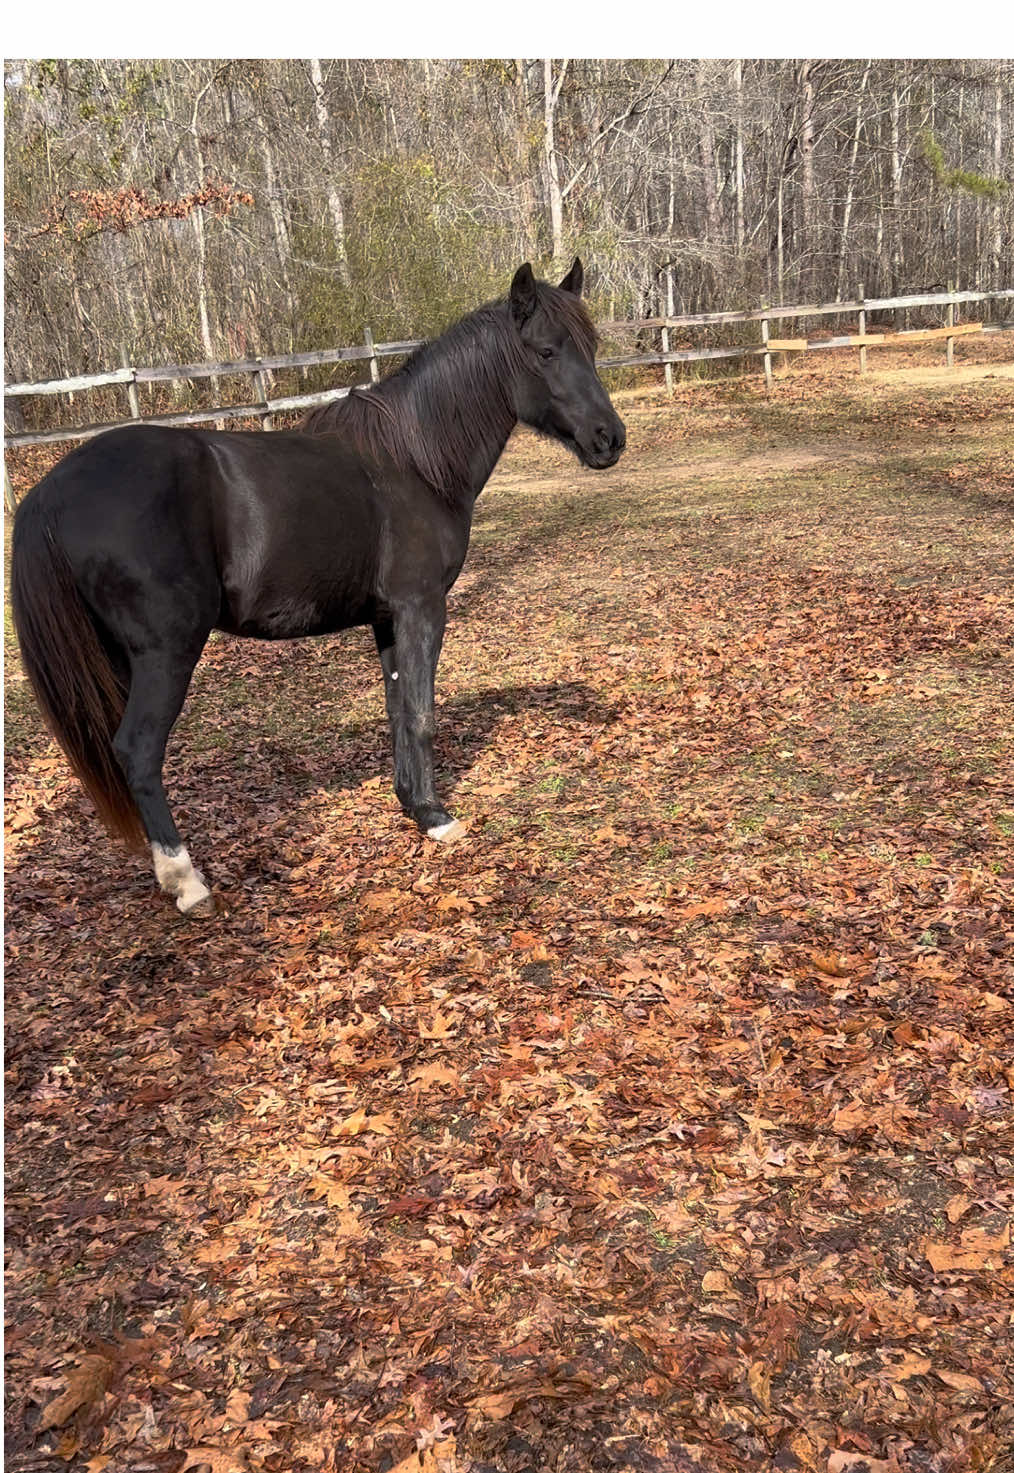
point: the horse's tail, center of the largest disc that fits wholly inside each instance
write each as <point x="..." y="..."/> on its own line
<point x="75" y="685"/>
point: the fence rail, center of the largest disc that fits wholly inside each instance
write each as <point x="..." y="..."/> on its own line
<point x="264" y="408"/>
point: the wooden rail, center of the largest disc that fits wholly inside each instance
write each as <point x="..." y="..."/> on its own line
<point x="264" y="408"/>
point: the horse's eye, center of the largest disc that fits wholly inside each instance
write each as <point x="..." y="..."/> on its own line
<point x="545" y="353"/>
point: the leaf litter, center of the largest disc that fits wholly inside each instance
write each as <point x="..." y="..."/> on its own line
<point x="665" y="1121"/>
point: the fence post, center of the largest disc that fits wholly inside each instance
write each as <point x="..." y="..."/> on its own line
<point x="260" y="389"/>
<point x="135" y="408"/>
<point x="374" y="365"/>
<point x="765" y="339"/>
<point x="950" y="323"/>
<point x="9" y="497"/>
<point x="862" y="329"/>
<point x="670" y="311"/>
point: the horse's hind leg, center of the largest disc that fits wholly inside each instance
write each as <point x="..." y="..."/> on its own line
<point x="158" y="688"/>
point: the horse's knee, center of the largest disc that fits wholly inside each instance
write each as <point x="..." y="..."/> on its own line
<point x="422" y="724"/>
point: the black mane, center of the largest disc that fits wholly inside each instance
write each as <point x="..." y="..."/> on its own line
<point x="450" y="400"/>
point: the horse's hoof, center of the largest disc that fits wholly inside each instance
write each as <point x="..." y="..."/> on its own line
<point x="446" y="833"/>
<point x="200" y="910"/>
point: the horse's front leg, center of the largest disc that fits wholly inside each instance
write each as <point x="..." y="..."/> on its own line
<point x="409" y="646"/>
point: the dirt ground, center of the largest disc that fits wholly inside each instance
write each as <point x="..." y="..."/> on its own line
<point x="665" y="1122"/>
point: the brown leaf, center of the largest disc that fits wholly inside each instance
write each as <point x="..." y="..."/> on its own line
<point x="853" y="1116"/>
<point x="86" y="1385"/>
<point x="454" y="901"/>
<point x="383" y="900"/>
<point x="499" y="1404"/>
<point x="408" y="1206"/>
<point x="858" y="1463"/>
<point x="759" y="1377"/>
<point x="237" y="1408"/>
<point x="436" y="1073"/>
<point x="978" y="1250"/>
<point x="218" y="1459"/>
<point x="907" y="1366"/>
<point x="352" y="1124"/>
<point x="959" y="1380"/>
<point x="831" y="966"/>
<point x="957" y="1207"/>
<point x="437" y="1027"/>
<point x="703" y="908"/>
<point x="717" y="1281"/>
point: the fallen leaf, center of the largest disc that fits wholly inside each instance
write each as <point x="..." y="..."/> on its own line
<point x="959" y="1380"/>
<point x="436" y="1073"/>
<point x="907" y="1366"/>
<point x="831" y="966"/>
<point x="978" y="1250"/>
<point x="957" y="1207"/>
<point x="716" y="1281"/>
<point x="759" y="1377"/>
<point x="86" y="1384"/>
<point x="437" y="1027"/>
<point x="218" y="1459"/>
<point x="859" y="1463"/>
<point x="237" y="1408"/>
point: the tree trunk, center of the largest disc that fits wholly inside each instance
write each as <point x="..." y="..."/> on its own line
<point x="552" y="97"/>
<point x="706" y="151"/>
<point x="896" y="256"/>
<point x="522" y="154"/>
<point x="843" y="243"/>
<point x="738" y="171"/>
<point x="334" y="200"/>
<point x="809" y="272"/>
<point x="996" y="245"/>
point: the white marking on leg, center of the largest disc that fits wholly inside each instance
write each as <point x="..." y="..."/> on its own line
<point x="394" y="675"/>
<point x="446" y="833"/>
<point x="177" y="876"/>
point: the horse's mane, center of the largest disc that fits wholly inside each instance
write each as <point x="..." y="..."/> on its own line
<point x="451" y="398"/>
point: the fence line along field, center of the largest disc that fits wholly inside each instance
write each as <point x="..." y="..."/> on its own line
<point x="264" y="406"/>
<point x="665" y="1121"/>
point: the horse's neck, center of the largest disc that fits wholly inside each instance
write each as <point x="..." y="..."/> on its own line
<point x="461" y="409"/>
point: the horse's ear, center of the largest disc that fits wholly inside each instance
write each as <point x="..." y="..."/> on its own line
<point x="574" y="279"/>
<point x="523" y="294"/>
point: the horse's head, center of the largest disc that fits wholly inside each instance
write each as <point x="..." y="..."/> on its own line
<point x="558" y="391"/>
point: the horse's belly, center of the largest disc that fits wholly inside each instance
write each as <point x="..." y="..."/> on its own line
<point x="273" y="612"/>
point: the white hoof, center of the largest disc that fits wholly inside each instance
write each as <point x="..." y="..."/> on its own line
<point x="177" y="876"/>
<point x="446" y="833"/>
<point x="204" y="905"/>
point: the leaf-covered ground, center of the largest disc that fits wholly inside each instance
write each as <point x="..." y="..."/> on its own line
<point x="663" y="1123"/>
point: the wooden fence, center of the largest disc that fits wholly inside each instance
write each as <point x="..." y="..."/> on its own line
<point x="264" y="408"/>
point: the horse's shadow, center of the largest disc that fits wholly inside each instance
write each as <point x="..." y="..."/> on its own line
<point x="466" y="726"/>
<point x="236" y="800"/>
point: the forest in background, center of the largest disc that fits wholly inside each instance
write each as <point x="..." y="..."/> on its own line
<point x="174" y="210"/>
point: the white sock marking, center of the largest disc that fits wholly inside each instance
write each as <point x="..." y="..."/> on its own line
<point x="444" y="833"/>
<point x="177" y="876"/>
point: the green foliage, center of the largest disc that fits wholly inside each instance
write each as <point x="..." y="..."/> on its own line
<point x="420" y="254"/>
<point x="981" y="185"/>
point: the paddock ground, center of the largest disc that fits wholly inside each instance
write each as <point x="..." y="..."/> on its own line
<point x="664" y="1122"/>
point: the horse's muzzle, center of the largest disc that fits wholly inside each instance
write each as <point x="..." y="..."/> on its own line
<point x="607" y="445"/>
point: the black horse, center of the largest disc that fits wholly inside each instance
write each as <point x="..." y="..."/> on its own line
<point x="144" y="539"/>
